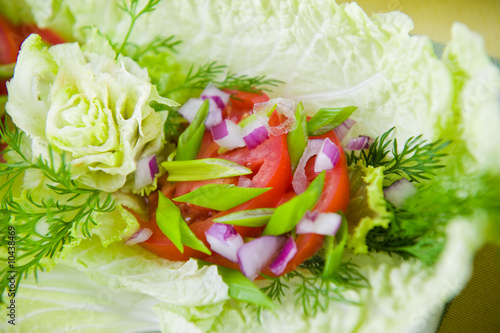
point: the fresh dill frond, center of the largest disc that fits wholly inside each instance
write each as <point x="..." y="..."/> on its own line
<point x="313" y="292"/>
<point x="248" y="83"/>
<point x="133" y="11"/>
<point x="417" y="161"/>
<point x="43" y="226"/>
<point x="156" y="45"/>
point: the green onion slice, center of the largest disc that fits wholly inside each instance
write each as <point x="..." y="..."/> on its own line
<point x="190" y="140"/>
<point x="221" y="196"/>
<point x="248" y="218"/>
<point x="297" y="139"/>
<point x="327" y="119"/>
<point x="203" y="169"/>
<point x="286" y="216"/>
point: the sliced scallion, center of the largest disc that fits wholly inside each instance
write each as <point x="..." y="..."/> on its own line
<point x="172" y="224"/>
<point x="286" y="216"/>
<point x="221" y="196"/>
<point x="297" y="139"/>
<point x="334" y="249"/>
<point x="327" y="119"/>
<point x="248" y="218"/>
<point x="203" y="169"/>
<point x="190" y="140"/>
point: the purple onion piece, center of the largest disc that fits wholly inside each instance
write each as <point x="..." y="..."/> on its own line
<point x="359" y="143"/>
<point x="299" y="181"/>
<point x="328" y="156"/>
<point x="218" y="101"/>
<point x="324" y="224"/>
<point x="254" y="134"/>
<point x="139" y="236"/>
<point x="189" y="109"/>
<point x="224" y="240"/>
<point x="399" y="192"/>
<point x="218" y="96"/>
<point x="256" y="254"/>
<point x="343" y="128"/>
<point x="228" y="135"/>
<point x="145" y="172"/>
<point x="220" y="131"/>
<point x="286" y="254"/>
<point x="153" y="167"/>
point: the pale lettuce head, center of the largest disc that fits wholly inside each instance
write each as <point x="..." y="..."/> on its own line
<point x="88" y="106"/>
<point x="328" y="56"/>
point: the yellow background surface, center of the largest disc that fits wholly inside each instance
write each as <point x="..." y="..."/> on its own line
<point x="477" y="308"/>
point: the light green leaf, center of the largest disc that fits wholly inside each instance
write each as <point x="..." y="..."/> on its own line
<point x="221" y="196"/>
<point x="248" y="218"/>
<point x="286" y="216"/>
<point x="203" y="169"/>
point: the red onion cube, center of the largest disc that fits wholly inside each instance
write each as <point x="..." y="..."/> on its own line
<point x="299" y="181"/>
<point x="256" y="254"/>
<point x="254" y="134"/>
<point x="286" y="254"/>
<point x="227" y="134"/>
<point x="323" y="224"/>
<point x="220" y="97"/>
<point x="214" y="116"/>
<point x="224" y="240"/>
<point x="399" y="191"/>
<point x="343" y="128"/>
<point x="359" y="143"/>
<point x="145" y="172"/>
<point x="139" y="236"/>
<point x="328" y="156"/>
<point x="189" y="109"/>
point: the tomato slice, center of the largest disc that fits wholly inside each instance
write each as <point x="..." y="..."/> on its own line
<point x="270" y="164"/>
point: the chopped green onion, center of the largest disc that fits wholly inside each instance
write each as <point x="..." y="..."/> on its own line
<point x="286" y="216"/>
<point x="203" y="169"/>
<point x="241" y="288"/>
<point x="297" y="139"/>
<point x="248" y="218"/>
<point x="327" y="119"/>
<point x="334" y="249"/>
<point x="221" y="196"/>
<point x="172" y="224"/>
<point x="190" y="140"/>
<point x="253" y="117"/>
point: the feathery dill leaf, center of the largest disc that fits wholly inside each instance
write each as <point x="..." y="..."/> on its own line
<point x="248" y="83"/>
<point x="313" y="292"/>
<point x="133" y="11"/>
<point x="416" y="161"/>
<point x="70" y="208"/>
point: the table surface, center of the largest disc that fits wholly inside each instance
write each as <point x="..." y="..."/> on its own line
<point x="477" y="308"/>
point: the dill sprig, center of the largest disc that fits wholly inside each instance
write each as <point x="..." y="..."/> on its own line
<point x="248" y="83"/>
<point x="312" y="290"/>
<point x="155" y="46"/>
<point x="133" y="11"/>
<point x="43" y="225"/>
<point x="416" y="161"/>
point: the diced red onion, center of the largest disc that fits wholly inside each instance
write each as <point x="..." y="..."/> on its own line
<point x="254" y="134"/>
<point x="224" y="240"/>
<point x="323" y="224"/>
<point x="256" y="254"/>
<point x="286" y="254"/>
<point x="228" y="135"/>
<point x="214" y="116"/>
<point x="145" y="172"/>
<point x="285" y="107"/>
<point x="189" y="109"/>
<point x="139" y="236"/>
<point x="399" y="191"/>
<point x="359" y="143"/>
<point x="342" y="129"/>
<point x="328" y="156"/>
<point x="220" y="97"/>
<point x="299" y="181"/>
<point x="244" y="182"/>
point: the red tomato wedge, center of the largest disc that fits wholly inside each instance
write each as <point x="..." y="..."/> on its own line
<point x="270" y="164"/>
